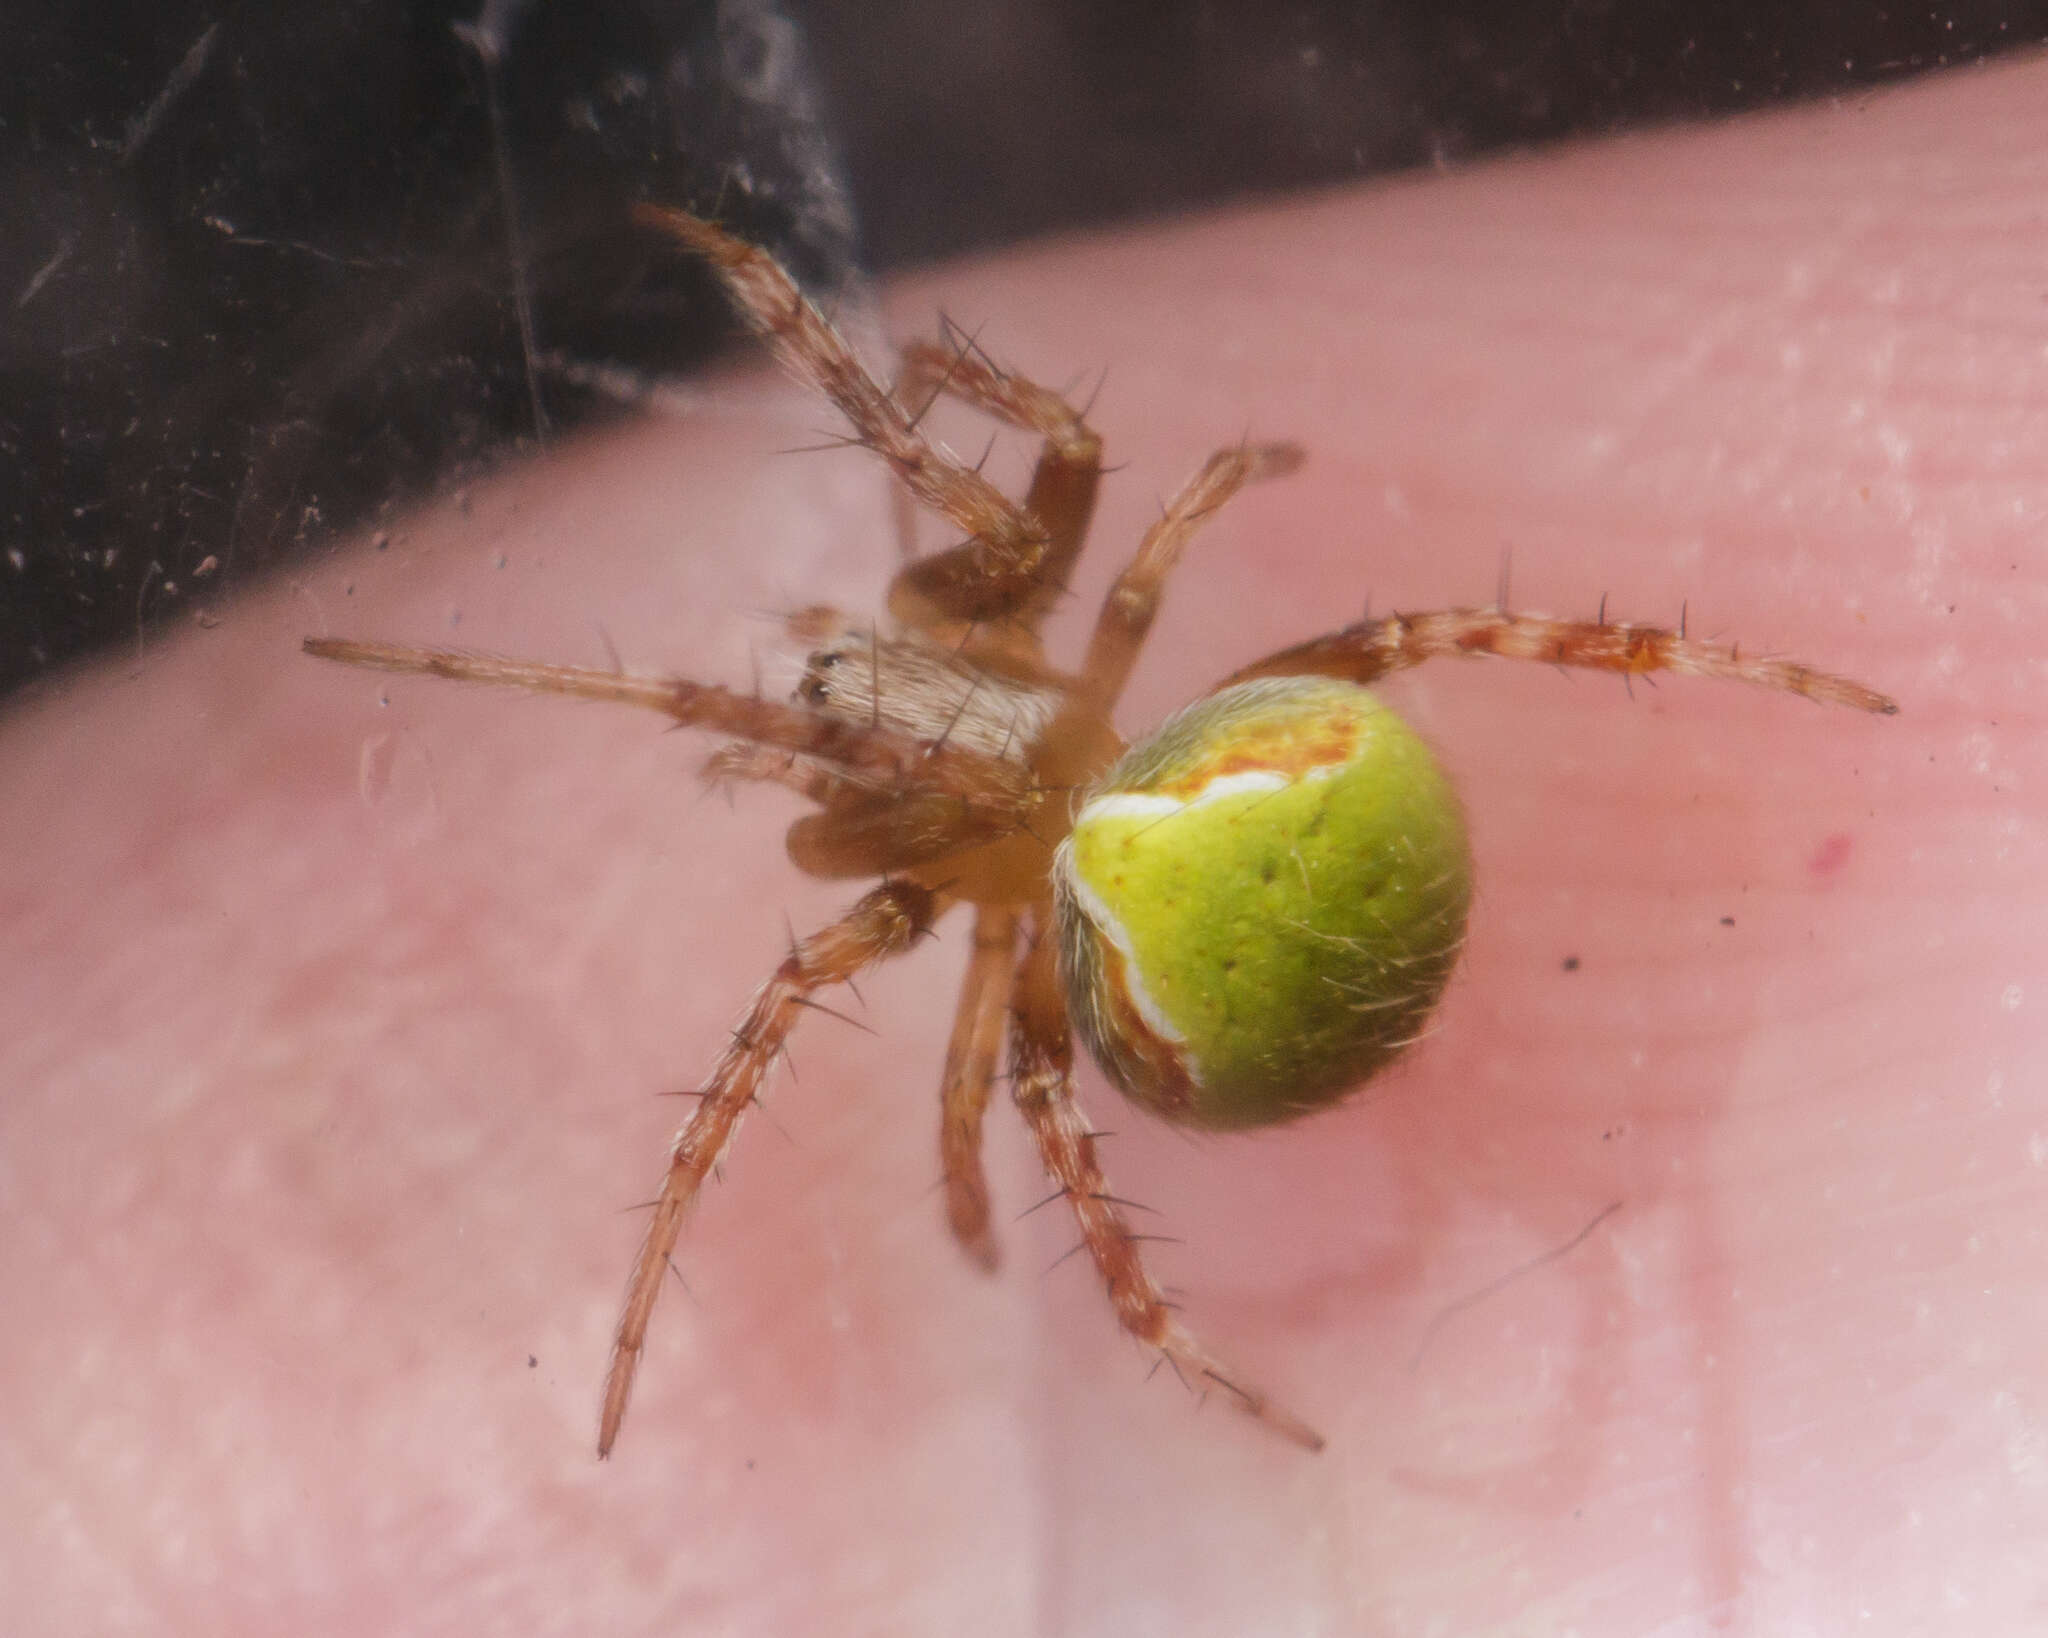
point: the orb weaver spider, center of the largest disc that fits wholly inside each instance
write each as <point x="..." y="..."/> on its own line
<point x="1243" y="916"/>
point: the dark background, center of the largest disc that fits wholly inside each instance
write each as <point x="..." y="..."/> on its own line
<point x="269" y="270"/>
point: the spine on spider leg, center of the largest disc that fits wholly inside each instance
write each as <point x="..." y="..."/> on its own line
<point x="929" y="370"/>
<point x="885" y="922"/>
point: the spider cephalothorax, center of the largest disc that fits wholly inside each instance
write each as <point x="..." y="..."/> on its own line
<point x="1242" y="917"/>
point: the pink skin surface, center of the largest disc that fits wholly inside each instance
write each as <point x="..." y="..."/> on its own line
<point x="338" y="1002"/>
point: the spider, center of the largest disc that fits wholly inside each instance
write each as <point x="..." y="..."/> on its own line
<point x="1242" y="917"/>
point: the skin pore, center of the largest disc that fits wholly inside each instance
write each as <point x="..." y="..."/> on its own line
<point x="334" y="1024"/>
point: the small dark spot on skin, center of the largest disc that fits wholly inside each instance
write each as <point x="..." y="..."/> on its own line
<point x="750" y="1464"/>
<point x="531" y="1362"/>
<point x="1727" y="921"/>
<point x="1266" y="874"/>
<point x="1570" y="964"/>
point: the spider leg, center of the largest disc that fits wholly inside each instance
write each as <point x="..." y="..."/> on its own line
<point x="1062" y="494"/>
<point x="1133" y="602"/>
<point x="970" y="1077"/>
<point x="992" y="790"/>
<point x="884" y="923"/>
<point x="1042" y="1050"/>
<point x="1005" y="544"/>
<point x="1372" y="648"/>
<point x="869" y="833"/>
<point x="861" y="831"/>
<point x="765" y="765"/>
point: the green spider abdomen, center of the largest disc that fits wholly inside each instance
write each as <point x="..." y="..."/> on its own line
<point x="1259" y="907"/>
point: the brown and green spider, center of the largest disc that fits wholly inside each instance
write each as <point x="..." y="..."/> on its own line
<point x="1243" y="916"/>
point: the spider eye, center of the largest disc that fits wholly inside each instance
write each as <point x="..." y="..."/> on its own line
<point x="1259" y="906"/>
<point x="811" y="687"/>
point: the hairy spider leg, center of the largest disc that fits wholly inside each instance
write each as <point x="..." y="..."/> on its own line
<point x="886" y="922"/>
<point x="1006" y="544"/>
<point x="1042" y="1057"/>
<point x="1061" y="497"/>
<point x="987" y="793"/>
<point x="969" y="1078"/>
<point x="1127" y="613"/>
<point x="1370" y="649"/>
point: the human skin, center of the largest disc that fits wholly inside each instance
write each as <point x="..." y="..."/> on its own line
<point x="333" y="1023"/>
